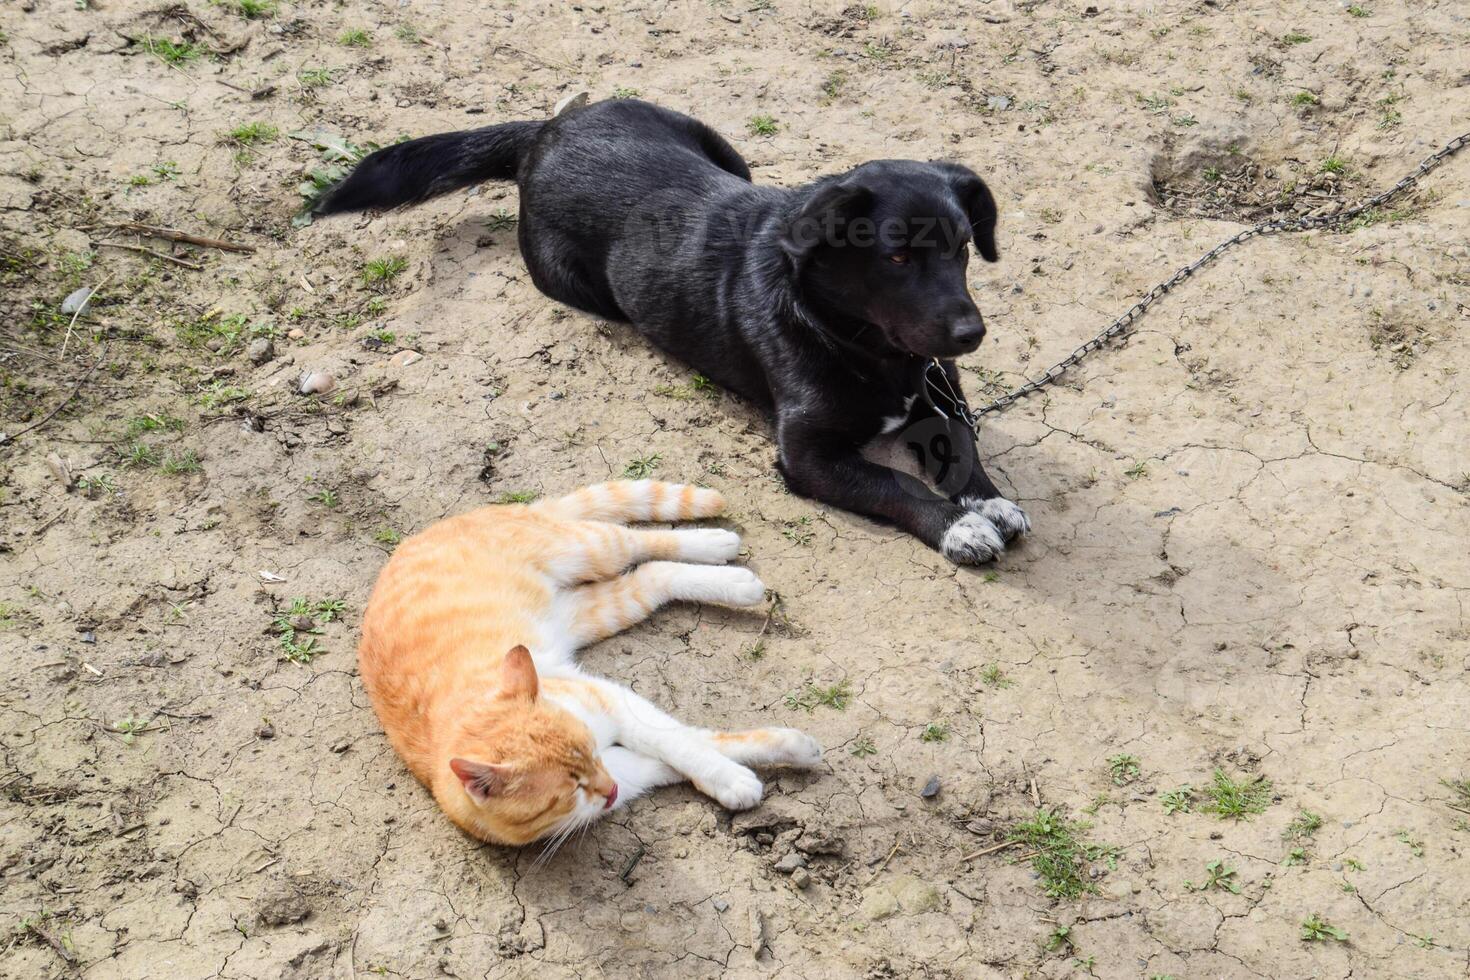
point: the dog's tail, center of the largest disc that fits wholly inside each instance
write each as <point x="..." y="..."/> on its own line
<point x="407" y="173"/>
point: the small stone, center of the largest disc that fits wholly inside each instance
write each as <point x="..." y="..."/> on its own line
<point x="296" y="333"/>
<point x="282" y="908"/>
<point x="819" y="842"/>
<point x="931" y="788"/>
<point x="720" y="905"/>
<point x="801" y="878"/>
<point x="982" y="827"/>
<point x="60" y="470"/>
<point x="261" y="350"/>
<point x="266" y="730"/>
<point x="78" y="302"/>
<point x="997" y="103"/>
<point x="878" y="904"/>
<point x="758" y="941"/>
<point x="317" y="383"/>
<point x="405" y="357"/>
<point x="790" y="863"/>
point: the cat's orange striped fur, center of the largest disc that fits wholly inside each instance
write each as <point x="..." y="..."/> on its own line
<point x="468" y="656"/>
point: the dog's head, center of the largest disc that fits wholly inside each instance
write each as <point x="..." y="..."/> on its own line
<point x="886" y="246"/>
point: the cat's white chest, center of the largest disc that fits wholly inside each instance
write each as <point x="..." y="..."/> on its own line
<point x="597" y="722"/>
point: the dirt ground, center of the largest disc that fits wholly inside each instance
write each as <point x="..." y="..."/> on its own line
<point x="1250" y="545"/>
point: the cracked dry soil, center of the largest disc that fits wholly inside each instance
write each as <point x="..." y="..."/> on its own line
<point x="1250" y="547"/>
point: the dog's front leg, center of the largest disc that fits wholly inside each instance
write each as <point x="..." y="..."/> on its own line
<point x="817" y="463"/>
<point x="946" y="448"/>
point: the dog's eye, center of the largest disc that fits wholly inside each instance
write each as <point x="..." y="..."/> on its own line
<point x="899" y="258"/>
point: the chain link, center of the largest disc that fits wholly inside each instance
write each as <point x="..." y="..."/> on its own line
<point x="1277" y="226"/>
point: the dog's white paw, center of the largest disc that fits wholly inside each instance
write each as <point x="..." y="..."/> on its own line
<point x="1010" y="520"/>
<point x="971" y="540"/>
<point x="734" y="787"/>
<point x="712" y="545"/>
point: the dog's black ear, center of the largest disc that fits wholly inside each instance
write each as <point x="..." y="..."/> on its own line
<point x="823" y="217"/>
<point x="979" y="206"/>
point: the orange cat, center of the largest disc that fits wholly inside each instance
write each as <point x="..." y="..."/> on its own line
<point x="467" y="654"/>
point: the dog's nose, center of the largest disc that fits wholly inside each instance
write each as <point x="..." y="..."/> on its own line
<point x="969" y="331"/>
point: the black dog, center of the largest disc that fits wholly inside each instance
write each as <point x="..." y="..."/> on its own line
<point x="835" y="306"/>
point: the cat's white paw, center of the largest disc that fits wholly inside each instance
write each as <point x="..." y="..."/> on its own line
<point x="796" y="748"/>
<point x="728" y="586"/>
<point x="971" y="540"/>
<point x="710" y="545"/>
<point x="734" y="787"/>
<point x="1008" y="519"/>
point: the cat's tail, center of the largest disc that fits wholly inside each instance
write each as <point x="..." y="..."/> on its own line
<point x="407" y="173"/>
<point x="635" y="500"/>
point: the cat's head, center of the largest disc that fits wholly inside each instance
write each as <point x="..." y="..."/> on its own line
<point x="522" y="768"/>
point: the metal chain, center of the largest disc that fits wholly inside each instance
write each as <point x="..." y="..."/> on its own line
<point x="1120" y="325"/>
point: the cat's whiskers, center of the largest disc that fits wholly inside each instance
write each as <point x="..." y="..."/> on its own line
<point x="558" y="838"/>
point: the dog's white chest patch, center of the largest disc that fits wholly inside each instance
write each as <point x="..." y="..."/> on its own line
<point x="891" y="423"/>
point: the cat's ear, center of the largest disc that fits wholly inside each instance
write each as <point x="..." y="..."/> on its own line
<point x="480" y="779"/>
<point x="518" y="677"/>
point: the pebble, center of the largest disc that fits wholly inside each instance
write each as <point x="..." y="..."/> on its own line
<point x="790" y="863"/>
<point x="982" y="827"/>
<point x="997" y="103"/>
<point x="814" y="841"/>
<point x="931" y="788"/>
<point x="317" y="383"/>
<point x="60" y="470"/>
<point x="720" y="905"/>
<point x="405" y="357"/>
<point x="261" y="350"/>
<point x="801" y="878"/>
<point x="296" y="333"/>
<point x="78" y="302"/>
